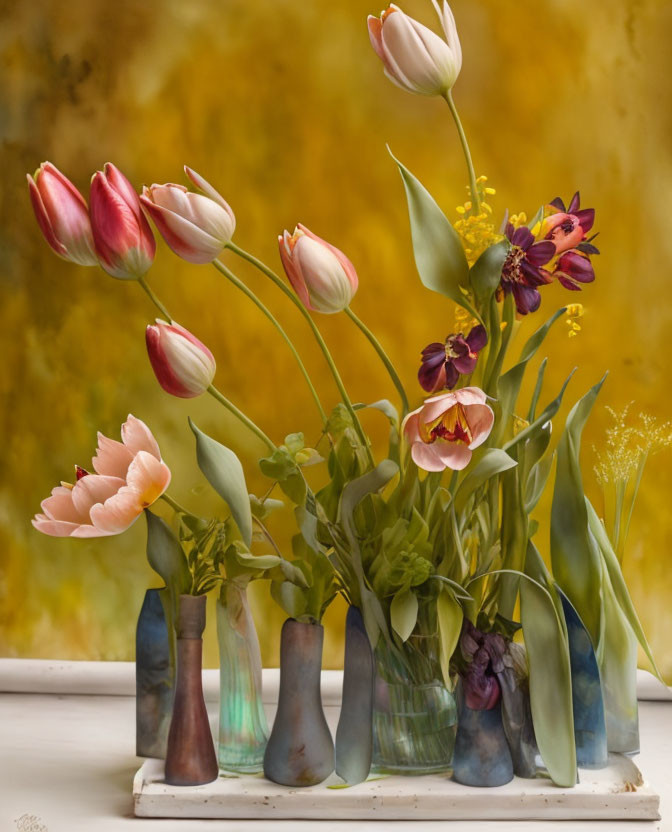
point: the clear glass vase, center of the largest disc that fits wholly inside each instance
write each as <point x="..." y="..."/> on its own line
<point x="414" y="714"/>
<point x="243" y="730"/>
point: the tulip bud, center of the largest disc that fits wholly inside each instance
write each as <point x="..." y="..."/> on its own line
<point x="415" y="58"/>
<point x="322" y="276"/>
<point x="124" y="241"/>
<point x="182" y="364"/>
<point x="62" y="215"/>
<point x="196" y="227"/>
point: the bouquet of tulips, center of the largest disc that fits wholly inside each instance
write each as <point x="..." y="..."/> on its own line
<point x="433" y="546"/>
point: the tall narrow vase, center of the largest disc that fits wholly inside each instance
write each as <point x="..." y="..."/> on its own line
<point x="590" y="732"/>
<point x="482" y="756"/>
<point x="300" y="750"/>
<point x="243" y="730"/>
<point x="154" y="676"/>
<point x="354" y="735"/>
<point x="190" y="755"/>
<point x="414" y="714"/>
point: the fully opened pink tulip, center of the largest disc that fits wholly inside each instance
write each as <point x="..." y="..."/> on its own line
<point x="322" y="276"/>
<point x="130" y="476"/>
<point x="183" y="365"/>
<point x="195" y="226"/>
<point x="62" y="215"/>
<point x="416" y="58"/>
<point x="124" y="241"/>
<point x="447" y="428"/>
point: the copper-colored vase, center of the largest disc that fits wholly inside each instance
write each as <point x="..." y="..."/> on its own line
<point x="190" y="755"/>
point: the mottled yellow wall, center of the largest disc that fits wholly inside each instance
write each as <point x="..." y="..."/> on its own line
<point x="284" y="107"/>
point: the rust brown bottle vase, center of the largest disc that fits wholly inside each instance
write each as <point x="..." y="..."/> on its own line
<point x="190" y="755"/>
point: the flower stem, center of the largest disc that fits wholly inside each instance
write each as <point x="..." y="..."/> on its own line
<point x="383" y="357"/>
<point x="318" y="337"/>
<point x="174" y="504"/>
<point x="240" y="415"/>
<point x="250" y="294"/>
<point x="475" y="202"/>
<point x="155" y="300"/>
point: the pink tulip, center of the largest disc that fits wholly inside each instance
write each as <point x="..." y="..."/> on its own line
<point x="124" y="241"/>
<point x="322" y="276"/>
<point x="415" y="58"/>
<point x="62" y="215"/>
<point x="129" y="477"/>
<point x="183" y="365"/>
<point x="195" y="226"/>
<point x="446" y="429"/>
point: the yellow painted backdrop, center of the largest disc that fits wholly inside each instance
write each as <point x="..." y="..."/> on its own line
<point x="283" y="106"/>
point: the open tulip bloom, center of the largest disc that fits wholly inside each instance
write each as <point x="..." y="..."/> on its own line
<point x="436" y="530"/>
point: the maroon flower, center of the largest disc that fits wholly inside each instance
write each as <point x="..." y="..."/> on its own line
<point x="567" y="228"/>
<point x="442" y="364"/>
<point x="484" y="655"/>
<point x="573" y="268"/>
<point x="522" y="272"/>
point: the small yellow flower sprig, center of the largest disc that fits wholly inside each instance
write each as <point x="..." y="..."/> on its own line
<point x="477" y="231"/>
<point x="620" y="466"/>
<point x="573" y="314"/>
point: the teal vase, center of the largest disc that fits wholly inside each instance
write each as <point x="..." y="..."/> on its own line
<point x="243" y="730"/>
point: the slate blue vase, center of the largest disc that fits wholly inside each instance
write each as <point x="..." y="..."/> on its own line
<point x="481" y="756"/>
<point x="590" y="732"/>
<point x="354" y="735"/>
<point x="154" y="676"/>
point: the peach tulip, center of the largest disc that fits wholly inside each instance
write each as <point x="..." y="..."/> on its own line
<point x="130" y="476"/>
<point x="322" y="276"/>
<point x="447" y="428"/>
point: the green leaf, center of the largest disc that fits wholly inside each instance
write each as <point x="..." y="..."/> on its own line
<point x="550" y="682"/>
<point x="449" y="614"/>
<point x="493" y="461"/>
<point x="438" y="252"/>
<point x="279" y="465"/>
<point x="223" y="471"/>
<point x="404" y="613"/>
<point x="388" y="409"/>
<point x="486" y="272"/>
<point x="509" y="384"/>
<point x="290" y="597"/>
<point x="574" y="552"/>
<point x="619" y="587"/>
<point x="166" y="557"/>
<point x="536" y="482"/>
<point x="548" y="413"/>
<point x="263" y="562"/>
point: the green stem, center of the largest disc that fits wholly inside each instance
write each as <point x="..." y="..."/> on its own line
<point x="155" y="300"/>
<point x="175" y="505"/>
<point x="638" y="481"/>
<point x="268" y="536"/>
<point x="240" y="415"/>
<point x="475" y="202"/>
<point x="383" y="357"/>
<point x="318" y="337"/>
<point x="250" y="294"/>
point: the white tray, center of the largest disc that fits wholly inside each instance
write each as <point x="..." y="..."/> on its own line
<point x="617" y="792"/>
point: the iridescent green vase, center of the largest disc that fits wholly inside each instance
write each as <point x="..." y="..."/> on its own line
<point x="243" y="730"/>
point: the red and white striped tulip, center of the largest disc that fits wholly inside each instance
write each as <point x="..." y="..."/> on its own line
<point x="322" y="276"/>
<point x="182" y="364"/>
<point x="414" y="57"/>
<point x="124" y="241"/>
<point x="195" y="226"/>
<point x="62" y="215"/>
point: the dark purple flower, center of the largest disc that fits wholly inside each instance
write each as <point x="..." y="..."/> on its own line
<point x="573" y="268"/>
<point x="484" y="653"/>
<point x="567" y="227"/>
<point x="442" y="364"/>
<point x="522" y="272"/>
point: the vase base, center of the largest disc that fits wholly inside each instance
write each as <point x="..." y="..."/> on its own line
<point x="227" y="767"/>
<point x="408" y="771"/>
